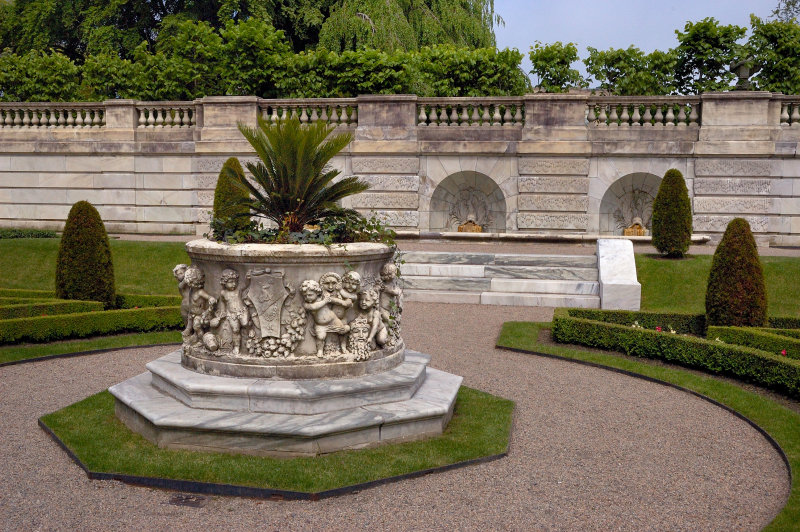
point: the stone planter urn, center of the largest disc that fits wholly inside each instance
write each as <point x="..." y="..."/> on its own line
<point x="291" y="350"/>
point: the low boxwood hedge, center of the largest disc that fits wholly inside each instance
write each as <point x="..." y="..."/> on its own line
<point x="44" y="307"/>
<point x="762" y="339"/>
<point x="80" y="325"/>
<point x="791" y="333"/>
<point x="21" y="292"/>
<point x="122" y="300"/>
<point x="681" y="323"/>
<point x="766" y="369"/>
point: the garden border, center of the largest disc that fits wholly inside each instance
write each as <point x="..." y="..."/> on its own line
<point x="81" y="353"/>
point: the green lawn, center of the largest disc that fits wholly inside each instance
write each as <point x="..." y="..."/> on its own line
<point x="680" y="285"/>
<point x="780" y="422"/>
<point x="480" y="427"/>
<point x="139" y="267"/>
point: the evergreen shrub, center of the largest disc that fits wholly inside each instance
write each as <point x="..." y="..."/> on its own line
<point x="672" y="216"/>
<point x="736" y="294"/>
<point x="227" y="198"/>
<point x="84" y="269"/>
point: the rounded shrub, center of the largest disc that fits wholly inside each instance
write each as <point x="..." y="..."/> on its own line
<point x="84" y="269"/>
<point x="227" y="197"/>
<point x="736" y="294"/>
<point x="672" y="216"/>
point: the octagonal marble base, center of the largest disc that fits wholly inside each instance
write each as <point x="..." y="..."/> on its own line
<point x="175" y="407"/>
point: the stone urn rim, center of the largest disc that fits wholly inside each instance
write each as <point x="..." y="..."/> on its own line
<point x="205" y="247"/>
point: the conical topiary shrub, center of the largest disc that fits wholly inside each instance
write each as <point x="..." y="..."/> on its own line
<point x="672" y="216"/>
<point x="227" y="198"/>
<point x="736" y="294"/>
<point x="84" y="269"/>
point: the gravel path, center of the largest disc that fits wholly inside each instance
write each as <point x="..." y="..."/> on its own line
<point x="591" y="450"/>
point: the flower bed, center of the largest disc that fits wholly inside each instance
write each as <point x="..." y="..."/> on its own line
<point x="769" y="369"/>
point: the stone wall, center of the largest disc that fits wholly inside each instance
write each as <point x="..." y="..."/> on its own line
<point x="547" y="163"/>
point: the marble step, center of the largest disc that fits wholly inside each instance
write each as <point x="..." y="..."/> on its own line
<point x="501" y="259"/>
<point x="538" y="272"/>
<point x="167" y="422"/>
<point x="503" y="298"/>
<point x="544" y="286"/>
<point x="198" y="390"/>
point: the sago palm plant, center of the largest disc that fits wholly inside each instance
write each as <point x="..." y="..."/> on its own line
<point x="292" y="183"/>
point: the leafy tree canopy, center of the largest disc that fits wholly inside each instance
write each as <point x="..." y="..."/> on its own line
<point x="630" y="71"/>
<point x="704" y="55"/>
<point x="551" y="66"/>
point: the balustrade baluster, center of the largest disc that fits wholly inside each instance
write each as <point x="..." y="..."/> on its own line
<point x="334" y="115"/>
<point x="476" y="116"/>
<point x="434" y="117"/>
<point x="62" y="117"/>
<point x="693" y="115"/>
<point x="303" y="116"/>
<point x="591" y="115"/>
<point x="795" y="114"/>
<point x="52" y="120"/>
<point x="453" y="116"/>
<point x="464" y="116"/>
<point x="670" y="119"/>
<point x="784" y="114"/>
<point x="345" y="116"/>
<point x="35" y="118"/>
<point x="422" y="118"/>
<point x="647" y="119"/>
<point x="625" y="118"/>
<point x="682" y="115"/>
<point x="496" y="118"/>
<point x="142" y="117"/>
<point x="507" y="116"/>
<point x="613" y="119"/>
<point x="151" y="119"/>
<point x="71" y="118"/>
<point x="161" y="119"/>
<point x="25" y="118"/>
<point x="659" y="118"/>
<point x="637" y="117"/>
<point x="603" y="120"/>
<point x="314" y="114"/>
<point x="518" y="116"/>
<point x="324" y="115"/>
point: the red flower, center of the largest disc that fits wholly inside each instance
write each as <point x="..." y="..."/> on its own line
<point x="658" y="329"/>
<point x="783" y="352"/>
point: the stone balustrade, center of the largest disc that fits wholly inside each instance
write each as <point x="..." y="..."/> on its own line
<point x="51" y="115"/>
<point x="635" y="111"/>
<point x="790" y="111"/>
<point x="335" y="111"/>
<point x="539" y="163"/>
<point x="471" y="112"/>
<point x="166" y="114"/>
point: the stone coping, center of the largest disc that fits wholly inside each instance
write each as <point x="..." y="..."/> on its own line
<point x="205" y="247"/>
<point x="529" y="237"/>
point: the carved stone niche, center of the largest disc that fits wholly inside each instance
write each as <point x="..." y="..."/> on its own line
<point x="468" y="201"/>
<point x="628" y="203"/>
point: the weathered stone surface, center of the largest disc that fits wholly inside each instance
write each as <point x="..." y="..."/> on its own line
<point x="577" y="185"/>
<point x="733" y="205"/>
<point x="397" y="218"/>
<point x="733" y="186"/>
<point x="619" y="287"/>
<point x="732" y="167"/>
<point x="385" y="200"/>
<point x="536" y="166"/>
<point x="552" y="202"/>
<point x="718" y="224"/>
<point x="408" y="183"/>
<point x="527" y="220"/>
<point x="385" y="165"/>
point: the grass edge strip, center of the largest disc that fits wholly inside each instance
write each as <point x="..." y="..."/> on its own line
<point x="81" y="353"/>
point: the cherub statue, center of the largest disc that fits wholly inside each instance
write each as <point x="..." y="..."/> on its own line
<point x="331" y="284"/>
<point x="351" y="286"/>
<point x="368" y="302"/>
<point x="179" y="272"/>
<point x="391" y="304"/>
<point x="233" y="308"/>
<point x="325" y="320"/>
<point x="201" y="304"/>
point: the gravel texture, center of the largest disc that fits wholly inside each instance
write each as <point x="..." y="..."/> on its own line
<point x="591" y="450"/>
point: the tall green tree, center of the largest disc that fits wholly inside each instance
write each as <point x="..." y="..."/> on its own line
<point x="632" y="72"/>
<point x="552" y="66"/>
<point x="787" y="10"/>
<point x="704" y="54"/>
<point x="775" y="46"/>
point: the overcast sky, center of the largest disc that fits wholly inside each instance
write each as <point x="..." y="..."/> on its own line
<point x="647" y="24"/>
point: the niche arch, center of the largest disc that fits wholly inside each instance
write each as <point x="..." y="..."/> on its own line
<point x="629" y="197"/>
<point x="468" y="195"/>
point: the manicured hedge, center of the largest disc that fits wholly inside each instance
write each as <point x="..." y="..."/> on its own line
<point x="134" y="300"/>
<point x="49" y="308"/>
<point x="784" y="322"/>
<point x="772" y="371"/>
<point x="19" y="292"/>
<point x="792" y="333"/>
<point x="51" y="328"/>
<point x="681" y="323"/>
<point x="758" y="338"/>
<point x="5" y="301"/>
<point x="6" y="233"/>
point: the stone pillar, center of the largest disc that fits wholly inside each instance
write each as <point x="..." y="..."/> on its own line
<point x="221" y="114"/>
<point x="387" y="117"/>
<point x="737" y="123"/>
<point x="121" y="115"/>
<point x="559" y="117"/>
